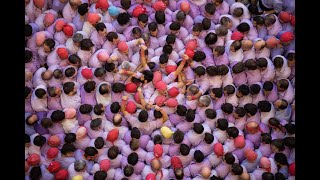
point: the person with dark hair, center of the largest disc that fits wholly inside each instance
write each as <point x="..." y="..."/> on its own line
<point x="175" y="28"/>
<point x="220" y="132"/>
<point x="283" y="110"/>
<point x="256" y="93"/>
<point x="70" y="97"/>
<point x="239" y="11"/>
<point x="230" y="94"/>
<point x="282" y="163"/>
<point x="87" y="93"/>
<point x="122" y="22"/>
<point x="285" y="90"/>
<point x="112" y="40"/>
<point x="267" y="111"/>
<point x="183" y="18"/>
<point x="39" y="99"/>
<point x="234" y="51"/>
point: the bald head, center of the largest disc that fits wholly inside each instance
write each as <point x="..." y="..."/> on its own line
<point x="260" y="44"/>
<point x="246" y="45"/>
<point x="28" y="75"/>
<point x="117" y="119"/>
<point x="156" y="165"/>
<point x="205" y="172"/>
<point x="47" y="75"/>
<point x="244" y="176"/>
<point x="252" y="125"/>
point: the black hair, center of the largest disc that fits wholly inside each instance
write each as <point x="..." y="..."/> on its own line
<point x="111" y="35"/>
<point x="68" y="87"/>
<point x="259" y="20"/>
<point x="100" y="26"/>
<point x="68" y="148"/>
<point x="157" y="139"/>
<point x="238" y="68"/>
<point x="266" y="138"/>
<point x="197" y="27"/>
<point x="167" y="49"/>
<point x="100" y="175"/>
<point x="253" y="9"/>
<point x="230" y="89"/>
<point x="95" y="123"/>
<point x="244" y="89"/>
<point x="237" y="169"/>
<point x="40" y="93"/>
<point x="198" y="128"/>
<point x="200" y="70"/>
<point x="113" y="152"/>
<point x="27" y="138"/>
<point x="210" y="113"/>
<point x="85" y="108"/>
<point x="57" y="116"/>
<point x="269" y="20"/>
<point x="27" y="56"/>
<point x="251" y="109"/>
<point x="27" y="30"/>
<point x="184" y="149"/>
<point x="99" y="143"/>
<point x="222" y="124"/>
<point x="157" y="114"/>
<point x="163" y="58"/>
<point x="283" y="83"/>
<point x="268" y="85"/>
<point x="152" y="26"/>
<point x="180" y="16"/>
<point x="211" y="38"/>
<point x="290" y="128"/>
<point x="118" y="87"/>
<point x="148" y="75"/>
<point x="27" y="91"/>
<point x="227" y="108"/>
<point x="190" y="115"/>
<point x="264" y="106"/>
<point x="290" y="142"/>
<point x="86" y="44"/>
<point x="243" y="27"/>
<point x="69" y="72"/>
<point x="137" y="30"/>
<point x="210" y="8"/>
<point x="70" y="138"/>
<point x="218" y="92"/>
<point x="237" y="12"/>
<point x="171" y="38"/>
<point x="99" y="72"/>
<point x="206" y="23"/>
<point x="133" y="158"/>
<point x="104" y="89"/>
<point x="279" y="176"/>
<point x="39" y="140"/>
<point x="262" y="62"/>
<point x="135" y="133"/>
<point x="126" y="4"/>
<point x="35" y="173"/>
<point x="208" y="138"/>
<point x="90" y="151"/>
<point x="50" y="43"/>
<point x="240" y="111"/>
<point x="175" y="26"/>
<point x="267" y="176"/>
<point x="143" y="116"/>
<point x="83" y="9"/>
<point x="181" y="110"/>
<point x="109" y="67"/>
<point x="255" y="89"/>
<point x="198" y="156"/>
<point x="160" y="17"/>
<point x="123" y="18"/>
<point x="229" y="158"/>
<point x="89" y="86"/>
<point x="232" y="132"/>
<point x="278" y="62"/>
<point x="143" y="18"/>
<point x="212" y="70"/>
<point x="128" y="170"/>
<point x="223" y="69"/>
<point x="251" y="64"/>
<point x="199" y="56"/>
<point x="278" y="143"/>
<point x="74" y="59"/>
<point x="281" y="158"/>
<point x="291" y="56"/>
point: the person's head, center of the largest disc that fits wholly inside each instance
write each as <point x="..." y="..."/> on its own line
<point x="238" y="68"/>
<point x="135" y="133"/>
<point x="198" y="57"/>
<point x="160" y="17"/>
<point x="223" y="69"/>
<point x="80" y="165"/>
<point x="143" y="116"/>
<point x="27" y="92"/>
<point x="255" y="89"/>
<point x="35" y="173"/>
<point x="200" y="70"/>
<point x="196" y="29"/>
<point x="232" y="132"/>
<point x="77" y="38"/>
<point x="209" y="9"/>
<point x="259" y="45"/>
<point x="243" y="28"/>
<point x="206" y="23"/>
<point x="282" y="85"/>
<point x="101" y="29"/>
<point x="136" y="32"/>
<point x="290" y="128"/>
<point x="95" y="124"/>
<point x="239" y="112"/>
<point x="104" y="89"/>
<point x="174" y="27"/>
<point x="142" y="20"/>
<point x="39" y="140"/>
<point x="57" y="116"/>
<point x="184" y="149"/>
<point x="227" y="108"/>
<point x="190" y="115"/>
<point x="113" y="37"/>
<point x="181" y="16"/>
<point x="27" y="139"/>
<point x="227" y="22"/>
<point x="167" y="49"/>
<point x="100" y="175"/>
<point x="243" y="90"/>
<point x="117" y="87"/>
<point x="181" y="110"/>
<point x="267" y="176"/>
<point x="123" y="18"/>
<point x="113" y="152"/>
<point x="28" y="55"/>
<point x="157" y="139"/>
<point x="83" y="9"/>
<point x="31" y="119"/>
<point x="73" y="59"/>
<point x="236" y="169"/>
<point x="86" y="44"/>
<point x="279" y="176"/>
<point x="179" y="173"/>
<point x="216" y="93"/>
<point x="222" y="31"/>
<point x="267" y="86"/>
<point x="212" y="71"/>
<point x="277" y="145"/>
<point x="134" y="144"/>
<point x="229" y="90"/>
<point x="222" y="124"/>
<point x="70" y="72"/>
<point x="237" y="12"/>
<point x="198" y="156"/>
<point x="210" y="113"/>
<point x="117" y="119"/>
<point x="198" y="128"/>
<point x="70" y="138"/>
<point x="251" y="64"/>
<point x="90" y="152"/>
<point x="211" y="38"/>
<point x="251" y="109"/>
<point x="48" y="45"/>
<point x="85" y="108"/>
<point x="153" y="29"/>
<point x="125" y="4"/>
<point x="266" y="138"/>
<point x="281" y="159"/>
<point x="246" y="45"/>
<point x="27" y="30"/>
<point x="264" y="106"/>
<point x="171" y="39"/>
<point x="258" y="21"/>
<point x="69" y="88"/>
<point x="68" y="149"/>
<point x="178" y="136"/>
<point x="89" y="86"/>
<point x="289" y="142"/>
<point x="253" y="9"/>
<point x="156" y="165"/>
<point x="269" y="20"/>
<point x="133" y="158"/>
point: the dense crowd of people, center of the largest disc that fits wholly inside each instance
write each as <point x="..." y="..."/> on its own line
<point x="159" y="89"/>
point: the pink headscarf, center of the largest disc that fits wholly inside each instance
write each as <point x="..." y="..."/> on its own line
<point x="93" y="18"/>
<point x="103" y="56"/>
<point x="40" y="38"/>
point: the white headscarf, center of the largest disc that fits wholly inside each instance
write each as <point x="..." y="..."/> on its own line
<point x="285" y="71"/>
<point x="37" y="79"/>
<point x="233" y="56"/>
<point x="39" y="104"/>
<point x="253" y="33"/>
<point x="275" y="28"/>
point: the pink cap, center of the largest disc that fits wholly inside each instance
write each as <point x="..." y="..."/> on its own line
<point x="237" y="36"/>
<point x="103" y="56"/>
<point x="122" y="46"/>
<point x="33" y="159"/>
<point x="286" y="37"/>
<point x="151" y="176"/>
<point x="170" y="69"/>
<point x="54" y="167"/>
<point x="131" y="107"/>
<point x="285" y="17"/>
<point x="52" y="152"/>
<point x="189" y="52"/>
<point x="62" y="174"/>
<point x="173" y="92"/>
<point x="67" y="30"/>
<point x="172" y="102"/>
<point x="93" y="18"/>
<point x="105" y="165"/>
<point x="192" y="44"/>
<point x="239" y="142"/>
<point x="102" y="4"/>
<point x="81" y="132"/>
<point x="159" y="100"/>
<point x="157" y="76"/>
<point x="185" y="6"/>
<point x="40" y="38"/>
<point x="39" y="3"/>
<point x="113" y="135"/>
<point x="70" y="113"/>
<point x="159" y="6"/>
<point x="161" y="86"/>
<point x="218" y="149"/>
<point x="49" y="18"/>
<point x="62" y="53"/>
<point x="87" y="73"/>
<point x="59" y="24"/>
<point x="157" y="150"/>
<point x="131" y="87"/>
<point x="265" y="163"/>
<point x="250" y="155"/>
<point x="54" y="141"/>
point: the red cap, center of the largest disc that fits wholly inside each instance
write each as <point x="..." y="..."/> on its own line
<point x="239" y="142"/>
<point x="192" y="44"/>
<point x="113" y="135"/>
<point x="137" y="98"/>
<point x="286" y="37"/>
<point x="161" y="85"/>
<point x="170" y="69"/>
<point x="33" y="159"/>
<point x="105" y="165"/>
<point x="176" y="162"/>
<point x="151" y="176"/>
<point x="93" y="18"/>
<point x="131" y="87"/>
<point x="87" y="73"/>
<point x="67" y="30"/>
<point x="59" y="24"/>
<point x="250" y="155"/>
<point x="52" y="152"/>
<point x="122" y="46"/>
<point x="285" y="17"/>
<point x="54" y="167"/>
<point x="62" y="174"/>
<point x="172" y="102"/>
<point x="237" y="36"/>
<point x="157" y="76"/>
<point x="159" y="6"/>
<point x="54" y="141"/>
<point x="159" y="100"/>
<point x="292" y="169"/>
<point x="62" y="53"/>
<point x="185" y="6"/>
<point x="157" y="150"/>
<point x="102" y="4"/>
<point x="218" y="149"/>
<point x="293" y="21"/>
<point x="173" y="92"/>
<point x="138" y="10"/>
<point x="39" y="3"/>
<point x="189" y="52"/>
<point x="131" y="107"/>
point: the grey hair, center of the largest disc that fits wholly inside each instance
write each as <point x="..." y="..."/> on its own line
<point x="79" y="165"/>
<point x="145" y="37"/>
<point x="205" y="100"/>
